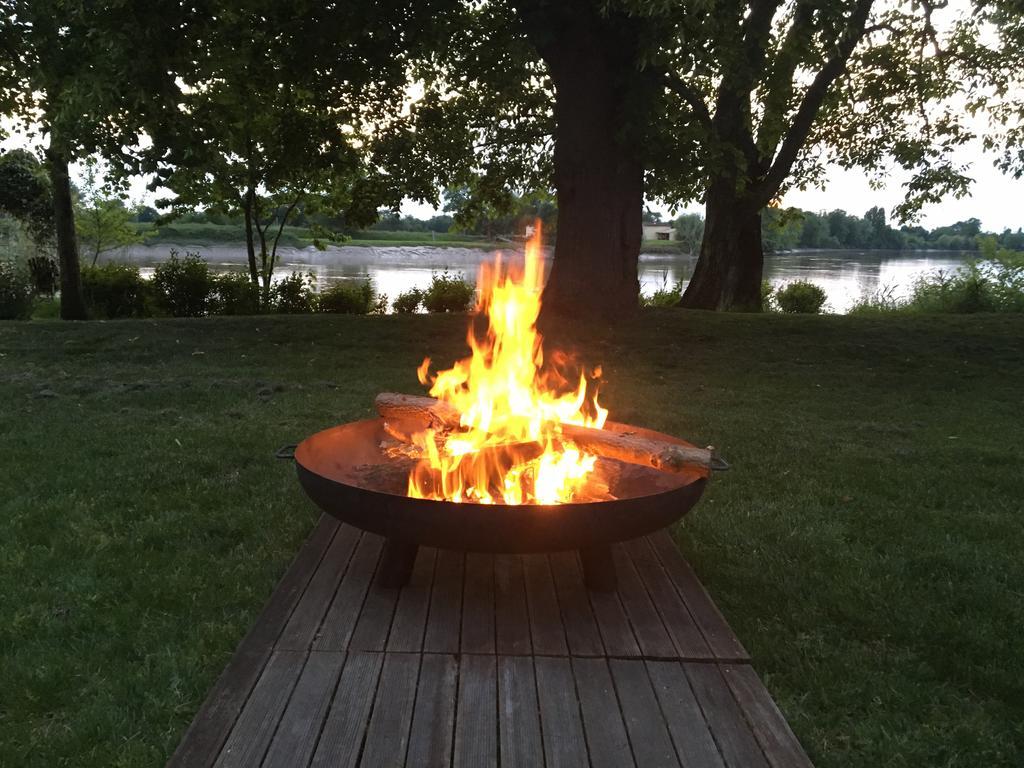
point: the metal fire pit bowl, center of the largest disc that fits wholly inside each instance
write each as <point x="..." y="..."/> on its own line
<point x="347" y="474"/>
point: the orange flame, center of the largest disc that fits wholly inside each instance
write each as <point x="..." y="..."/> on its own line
<point x="509" y="449"/>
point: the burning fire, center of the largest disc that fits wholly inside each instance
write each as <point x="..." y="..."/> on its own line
<point x="510" y="448"/>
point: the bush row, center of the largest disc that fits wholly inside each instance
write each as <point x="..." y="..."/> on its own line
<point x="799" y="296"/>
<point x="185" y="287"/>
<point x="995" y="285"/>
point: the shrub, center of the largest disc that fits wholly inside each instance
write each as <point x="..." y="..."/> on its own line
<point x="46" y="309"/>
<point x="800" y="297"/>
<point x="408" y="301"/>
<point x="294" y="295"/>
<point x="768" y="297"/>
<point x="15" y="293"/>
<point x="183" y="286"/>
<point x="114" y="290"/>
<point x="664" y="296"/>
<point x="448" y="293"/>
<point x="44" y="274"/>
<point x="234" y="294"/>
<point x="350" y="298"/>
<point x="880" y="302"/>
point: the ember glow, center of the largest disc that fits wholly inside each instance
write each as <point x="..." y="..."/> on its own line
<point x="509" y="449"/>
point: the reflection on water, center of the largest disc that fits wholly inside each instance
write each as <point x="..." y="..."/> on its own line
<point x="845" y="275"/>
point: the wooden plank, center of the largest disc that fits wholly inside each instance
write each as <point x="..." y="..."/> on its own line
<point x="616" y="633"/>
<point x="771" y="730"/>
<point x="478" y="604"/>
<point x="374" y="623"/>
<point x="607" y="741"/>
<point x="643" y="616"/>
<point x="683" y="631"/>
<point x="648" y="733"/>
<point x="476" y="723"/>
<point x="512" y="616"/>
<point x="581" y="632"/>
<point x="411" y="614"/>
<point x="445" y="616"/>
<point x="387" y="737"/>
<point x="564" y="743"/>
<point x="433" y="719"/>
<point x="251" y="734"/>
<point x="301" y="629"/>
<point x="694" y="744"/>
<point x="202" y="741"/>
<point x="341" y="617"/>
<point x="546" y="630"/>
<point x="342" y="736"/>
<point x="299" y="730"/>
<point x="720" y="638"/>
<point x="724" y="717"/>
<point x="518" y="718"/>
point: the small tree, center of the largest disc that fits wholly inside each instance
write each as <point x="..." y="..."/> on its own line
<point x="277" y="113"/>
<point x="71" y="73"/>
<point x="103" y="222"/>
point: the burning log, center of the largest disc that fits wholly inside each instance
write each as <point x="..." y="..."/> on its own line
<point x="426" y="412"/>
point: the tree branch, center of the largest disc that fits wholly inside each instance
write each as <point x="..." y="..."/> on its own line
<point x="786" y="62"/>
<point x="280" y="229"/>
<point x="806" y="114"/>
<point x="693" y="99"/>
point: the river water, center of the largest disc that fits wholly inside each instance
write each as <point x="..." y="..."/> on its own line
<point x="846" y="276"/>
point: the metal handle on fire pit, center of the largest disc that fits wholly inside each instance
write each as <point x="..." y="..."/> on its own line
<point x="718" y="464"/>
<point x="286" y="451"/>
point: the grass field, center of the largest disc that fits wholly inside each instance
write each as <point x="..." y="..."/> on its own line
<point x="865" y="547"/>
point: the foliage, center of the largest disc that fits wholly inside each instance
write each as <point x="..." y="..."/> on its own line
<point x="353" y="299"/>
<point x="880" y="302"/>
<point x="277" y="112"/>
<point x="15" y="292"/>
<point x="408" y="301"/>
<point x="768" y="302"/>
<point x="234" y="294"/>
<point x="295" y="294"/>
<point x="690" y="231"/>
<point x="664" y="296"/>
<point x="44" y="274"/>
<point x="800" y="297"/>
<point x="448" y="293"/>
<point x="71" y="73"/>
<point x="183" y="287"/>
<point x="114" y="290"/>
<point x="26" y="194"/>
<point x="103" y="222"/>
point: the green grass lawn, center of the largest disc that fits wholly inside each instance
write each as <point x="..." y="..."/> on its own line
<point x="866" y="546"/>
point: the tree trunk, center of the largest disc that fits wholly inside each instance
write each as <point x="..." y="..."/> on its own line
<point x="72" y="305"/>
<point x="728" y="271"/>
<point x="598" y="175"/>
<point x="250" y="242"/>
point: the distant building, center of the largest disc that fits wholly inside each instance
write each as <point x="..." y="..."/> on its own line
<point x="659" y="232"/>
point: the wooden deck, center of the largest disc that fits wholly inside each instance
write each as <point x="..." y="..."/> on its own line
<point x="487" y="660"/>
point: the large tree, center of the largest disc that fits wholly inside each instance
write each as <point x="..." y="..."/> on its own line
<point x="727" y="102"/>
<point x="80" y="75"/>
<point x="278" y="112"/>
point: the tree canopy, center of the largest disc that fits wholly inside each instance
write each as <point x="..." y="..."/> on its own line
<point x="278" y="111"/>
<point x="731" y="103"/>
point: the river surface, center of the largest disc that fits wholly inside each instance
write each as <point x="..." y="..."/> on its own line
<point x="846" y="276"/>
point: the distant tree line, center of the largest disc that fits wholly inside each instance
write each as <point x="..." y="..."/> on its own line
<point x="789" y="228"/>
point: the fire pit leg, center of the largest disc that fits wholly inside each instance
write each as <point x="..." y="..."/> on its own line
<point x="599" y="569"/>
<point x="396" y="564"/>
